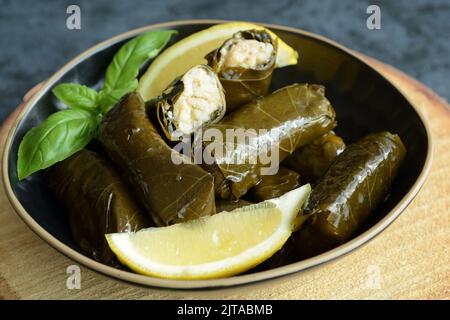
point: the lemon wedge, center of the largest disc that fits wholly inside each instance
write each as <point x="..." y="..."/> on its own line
<point x="221" y="245"/>
<point x="190" y="51"/>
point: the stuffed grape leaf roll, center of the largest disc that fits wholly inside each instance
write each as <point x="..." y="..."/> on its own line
<point x="268" y="130"/>
<point x="354" y="185"/>
<point x="193" y="100"/>
<point x="312" y="160"/>
<point x="274" y="186"/>
<point x="245" y="64"/>
<point x="168" y="184"/>
<point x="97" y="200"/>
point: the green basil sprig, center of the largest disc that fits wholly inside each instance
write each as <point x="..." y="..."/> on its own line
<point x="121" y="75"/>
<point x="68" y="131"/>
<point x="77" y="96"/>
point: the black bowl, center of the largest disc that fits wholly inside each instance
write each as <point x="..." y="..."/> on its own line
<point x="364" y="100"/>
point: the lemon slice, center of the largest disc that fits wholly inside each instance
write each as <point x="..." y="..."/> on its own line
<point x="221" y="245"/>
<point x="190" y="51"/>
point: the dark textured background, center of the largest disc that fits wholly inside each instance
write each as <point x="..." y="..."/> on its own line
<point x="34" y="41"/>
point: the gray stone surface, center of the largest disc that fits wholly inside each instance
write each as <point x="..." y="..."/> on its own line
<point x="34" y="41"/>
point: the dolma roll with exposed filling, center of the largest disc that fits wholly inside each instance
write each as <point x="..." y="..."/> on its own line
<point x="193" y="100"/>
<point x="245" y="64"/>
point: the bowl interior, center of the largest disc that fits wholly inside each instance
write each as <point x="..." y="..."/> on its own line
<point x="364" y="101"/>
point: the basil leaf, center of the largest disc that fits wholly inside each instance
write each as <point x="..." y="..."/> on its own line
<point x="58" y="137"/>
<point x="77" y="96"/>
<point x="121" y="75"/>
<point x="68" y="131"/>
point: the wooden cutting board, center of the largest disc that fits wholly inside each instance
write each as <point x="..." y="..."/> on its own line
<point x="409" y="260"/>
